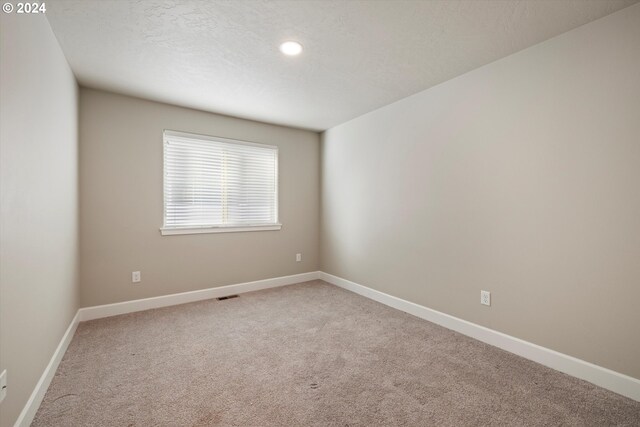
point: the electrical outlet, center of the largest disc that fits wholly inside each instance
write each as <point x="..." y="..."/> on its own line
<point x="135" y="277"/>
<point x="485" y="297"/>
<point x="298" y="257"/>
<point x="3" y="385"/>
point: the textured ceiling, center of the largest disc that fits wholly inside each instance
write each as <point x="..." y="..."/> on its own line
<point x="222" y="56"/>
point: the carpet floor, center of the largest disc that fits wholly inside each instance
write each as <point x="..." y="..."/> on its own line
<point x="304" y="355"/>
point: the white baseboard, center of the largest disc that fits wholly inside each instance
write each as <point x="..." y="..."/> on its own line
<point x="603" y="377"/>
<point x="29" y="411"/>
<point x="100" y="311"/>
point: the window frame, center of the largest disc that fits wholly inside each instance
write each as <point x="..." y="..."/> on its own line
<point x="231" y="228"/>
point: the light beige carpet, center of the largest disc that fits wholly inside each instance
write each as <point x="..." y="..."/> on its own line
<point x="303" y="355"/>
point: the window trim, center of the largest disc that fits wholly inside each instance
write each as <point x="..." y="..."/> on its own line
<point x="169" y="231"/>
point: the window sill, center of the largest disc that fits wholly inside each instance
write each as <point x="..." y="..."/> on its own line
<point x="204" y="230"/>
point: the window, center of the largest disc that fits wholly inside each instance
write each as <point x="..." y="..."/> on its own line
<point x="215" y="185"/>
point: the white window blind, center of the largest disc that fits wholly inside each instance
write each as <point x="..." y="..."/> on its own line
<point x="218" y="184"/>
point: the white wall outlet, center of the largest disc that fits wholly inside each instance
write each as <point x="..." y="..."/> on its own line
<point x="3" y="385"/>
<point x="298" y="257"/>
<point x="485" y="297"/>
<point x="135" y="277"/>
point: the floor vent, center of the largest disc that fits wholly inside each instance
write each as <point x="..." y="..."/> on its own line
<point x="227" y="297"/>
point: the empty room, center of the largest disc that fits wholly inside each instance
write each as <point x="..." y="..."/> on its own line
<point x="319" y="213"/>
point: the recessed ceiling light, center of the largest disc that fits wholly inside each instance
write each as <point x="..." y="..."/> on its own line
<point x="291" y="48"/>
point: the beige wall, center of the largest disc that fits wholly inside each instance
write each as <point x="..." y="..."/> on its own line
<point x="121" y="204"/>
<point x="521" y="178"/>
<point x="38" y="203"/>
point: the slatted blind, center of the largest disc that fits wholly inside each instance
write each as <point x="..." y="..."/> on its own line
<point x="217" y="182"/>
